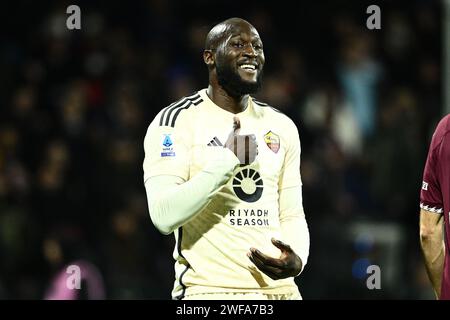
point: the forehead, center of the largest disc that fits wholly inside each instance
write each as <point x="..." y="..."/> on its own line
<point x="242" y="30"/>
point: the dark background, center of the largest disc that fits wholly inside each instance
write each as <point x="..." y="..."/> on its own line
<point x="75" y="106"/>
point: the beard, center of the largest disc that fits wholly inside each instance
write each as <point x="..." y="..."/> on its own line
<point x="232" y="82"/>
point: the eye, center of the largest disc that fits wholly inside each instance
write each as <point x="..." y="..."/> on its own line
<point x="258" y="46"/>
<point x="238" y="45"/>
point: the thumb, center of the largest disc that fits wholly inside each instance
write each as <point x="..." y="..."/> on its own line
<point x="236" y="125"/>
<point x="281" y="245"/>
<point x="234" y="132"/>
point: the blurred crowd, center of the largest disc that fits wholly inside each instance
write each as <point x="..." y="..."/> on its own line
<point x="76" y="106"/>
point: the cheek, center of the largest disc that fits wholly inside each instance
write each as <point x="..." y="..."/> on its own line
<point x="230" y="55"/>
<point x="226" y="62"/>
<point x="220" y="59"/>
<point x="219" y="63"/>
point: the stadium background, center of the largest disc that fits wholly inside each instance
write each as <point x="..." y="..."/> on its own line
<point x="75" y="106"/>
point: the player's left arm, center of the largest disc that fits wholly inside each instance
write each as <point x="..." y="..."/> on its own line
<point x="433" y="247"/>
<point x="295" y="247"/>
<point x="432" y="210"/>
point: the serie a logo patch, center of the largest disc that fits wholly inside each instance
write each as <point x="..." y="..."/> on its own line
<point x="167" y="144"/>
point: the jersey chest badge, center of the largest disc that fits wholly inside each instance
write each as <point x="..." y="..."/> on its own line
<point x="273" y="141"/>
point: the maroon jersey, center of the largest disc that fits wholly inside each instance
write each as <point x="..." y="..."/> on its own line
<point x="435" y="193"/>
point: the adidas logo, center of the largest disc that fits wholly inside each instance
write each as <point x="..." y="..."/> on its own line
<point x="215" y="142"/>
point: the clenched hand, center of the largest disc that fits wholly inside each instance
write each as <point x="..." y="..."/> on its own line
<point x="245" y="146"/>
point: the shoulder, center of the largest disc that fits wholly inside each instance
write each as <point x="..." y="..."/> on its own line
<point x="439" y="149"/>
<point x="173" y="113"/>
<point x="283" y="120"/>
<point x="444" y="126"/>
<point x="174" y="116"/>
<point x="265" y="106"/>
<point x="442" y="130"/>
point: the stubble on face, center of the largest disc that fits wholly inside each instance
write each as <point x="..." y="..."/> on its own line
<point x="230" y="80"/>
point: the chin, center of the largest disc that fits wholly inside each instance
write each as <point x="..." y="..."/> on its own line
<point x="235" y="84"/>
<point x="249" y="82"/>
<point x="248" y="79"/>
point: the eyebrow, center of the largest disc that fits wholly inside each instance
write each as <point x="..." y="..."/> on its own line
<point x="254" y="36"/>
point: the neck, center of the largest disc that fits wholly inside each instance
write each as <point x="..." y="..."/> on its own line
<point x="229" y="103"/>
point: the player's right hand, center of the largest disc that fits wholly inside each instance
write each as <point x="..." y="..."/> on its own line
<point x="245" y="146"/>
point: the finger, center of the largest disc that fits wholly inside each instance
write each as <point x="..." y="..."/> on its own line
<point x="281" y="245"/>
<point x="236" y="125"/>
<point x="268" y="270"/>
<point x="266" y="259"/>
<point x="261" y="267"/>
<point x="233" y="134"/>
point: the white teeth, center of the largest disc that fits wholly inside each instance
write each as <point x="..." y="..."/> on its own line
<point x="248" y="66"/>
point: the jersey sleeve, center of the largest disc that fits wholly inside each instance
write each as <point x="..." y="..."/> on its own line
<point x="431" y="194"/>
<point x="290" y="171"/>
<point x="166" y="150"/>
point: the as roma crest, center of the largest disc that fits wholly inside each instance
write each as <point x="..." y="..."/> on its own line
<point x="273" y="141"/>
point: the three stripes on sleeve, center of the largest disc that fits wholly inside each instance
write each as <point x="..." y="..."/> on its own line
<point x="170" y="114"/>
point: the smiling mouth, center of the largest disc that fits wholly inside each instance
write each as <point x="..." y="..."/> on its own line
<point x="248" y="67"/>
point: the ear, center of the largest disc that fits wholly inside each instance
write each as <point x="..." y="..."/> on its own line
<point x="208" y="58"/>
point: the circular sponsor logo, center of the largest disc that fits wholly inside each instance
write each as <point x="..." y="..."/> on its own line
<point x="248" y="185"/>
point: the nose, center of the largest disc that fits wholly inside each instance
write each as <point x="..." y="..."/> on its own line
<point x="250" y="51"/>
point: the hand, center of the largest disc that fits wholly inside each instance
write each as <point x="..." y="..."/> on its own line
<point x="288" y="265"/>
<point x="244" y="147"/>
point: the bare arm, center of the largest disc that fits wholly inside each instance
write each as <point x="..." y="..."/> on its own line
<point x="432" y="243"/>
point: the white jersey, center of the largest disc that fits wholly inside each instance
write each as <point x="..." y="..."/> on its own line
<point x="211" y="248"/>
